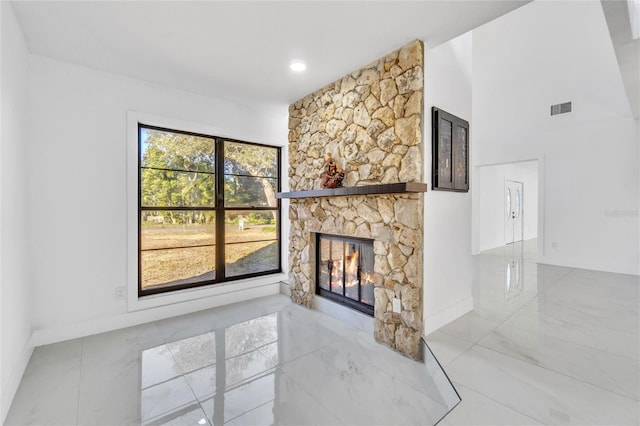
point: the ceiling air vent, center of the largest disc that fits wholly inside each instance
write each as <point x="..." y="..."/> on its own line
<point x="561" y="108"/>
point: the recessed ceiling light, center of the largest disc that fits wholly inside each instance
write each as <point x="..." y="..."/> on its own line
<point x="297" y="65"/>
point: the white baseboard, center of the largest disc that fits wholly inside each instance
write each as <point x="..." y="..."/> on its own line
<point x="445" y="316"/>
<point x="631" y="270"/>
<point x="87" y="328"/>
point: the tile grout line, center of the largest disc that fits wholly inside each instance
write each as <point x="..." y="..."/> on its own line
<point x="391" y="375"/>
<point x="244" y="382"/>
<point x="182" y="374"/>
<point x="548" y="368"/>
<point x="459" y="356"/>
<point x="560" y="373"/>
<point x="477" y="342"/>
<point x="301" y="387"/>
<point x="247" y="412"/>
<point x="500" y="323"/>
<point x="166" y="343"/>
<point x="563" y="276"/>
<point x="510" y="315"/>
<point x="517" y="311"/>
<point x="79" y="381"/>
<point x="502" y="404"/>
<point x="474" y="344"/>
<point x="525" y="330"/>
<point x="184" y="377"/>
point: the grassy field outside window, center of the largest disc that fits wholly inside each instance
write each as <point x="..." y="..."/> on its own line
<point x="207" y="208"/>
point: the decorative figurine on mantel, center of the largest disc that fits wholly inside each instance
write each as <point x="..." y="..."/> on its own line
<point x="332" y="175"/>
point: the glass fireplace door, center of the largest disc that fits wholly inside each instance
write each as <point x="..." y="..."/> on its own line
<point x="344" y="271"/>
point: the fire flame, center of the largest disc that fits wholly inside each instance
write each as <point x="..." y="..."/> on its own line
<point x="349" y="270"/>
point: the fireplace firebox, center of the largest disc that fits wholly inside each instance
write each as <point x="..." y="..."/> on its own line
<point x="344" y="271"/>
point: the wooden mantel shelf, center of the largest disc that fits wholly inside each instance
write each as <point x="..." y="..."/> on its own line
<point x="387" y="188"/>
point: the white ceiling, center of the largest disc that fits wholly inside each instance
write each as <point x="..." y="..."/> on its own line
<point x="241" y="49"/>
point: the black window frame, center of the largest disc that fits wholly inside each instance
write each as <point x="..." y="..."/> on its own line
<point x="219" y="209"/>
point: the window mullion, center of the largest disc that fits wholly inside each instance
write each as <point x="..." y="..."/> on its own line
<point x="220" y="219"/>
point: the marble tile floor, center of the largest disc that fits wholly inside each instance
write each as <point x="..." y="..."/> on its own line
<point x="544" y="344"/>
<point x="261" y="362"/>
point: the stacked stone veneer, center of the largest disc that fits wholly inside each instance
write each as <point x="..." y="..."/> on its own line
<point x="371" y="121"/>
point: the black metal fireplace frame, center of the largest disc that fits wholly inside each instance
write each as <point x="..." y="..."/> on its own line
<point x="342" y="299"/>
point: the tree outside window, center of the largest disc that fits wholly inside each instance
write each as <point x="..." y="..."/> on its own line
<point x="207" y="209"/>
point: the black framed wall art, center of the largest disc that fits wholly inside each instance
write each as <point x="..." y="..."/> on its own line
<point x="450" y="153"/>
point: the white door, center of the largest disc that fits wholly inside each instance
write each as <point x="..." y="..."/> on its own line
<point x="513" y="201"/>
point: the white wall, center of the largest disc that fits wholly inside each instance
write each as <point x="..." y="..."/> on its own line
<point x="447" y="232"/>
<point x="542" y="54"/>
<point x="15" y="289"/>
<point x="80" y="212"/>
<point x="490" y="185"/>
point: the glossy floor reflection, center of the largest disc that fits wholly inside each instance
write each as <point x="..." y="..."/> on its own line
<point x="544" y="344"/>
<point x="261" y="362"/>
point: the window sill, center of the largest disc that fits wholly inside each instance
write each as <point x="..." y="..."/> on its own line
<point x="136" y="303"/>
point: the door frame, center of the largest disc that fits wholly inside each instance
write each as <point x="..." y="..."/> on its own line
<point x="506" y="222"/>
<point x="480" y="185"/>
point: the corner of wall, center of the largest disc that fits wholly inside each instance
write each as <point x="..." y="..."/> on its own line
<point x="15" y="285"/>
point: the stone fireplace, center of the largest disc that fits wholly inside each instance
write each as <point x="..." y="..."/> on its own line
<point x="371" y="122"/>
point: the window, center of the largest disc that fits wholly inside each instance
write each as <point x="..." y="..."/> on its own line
<point x="207" y="210"/>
